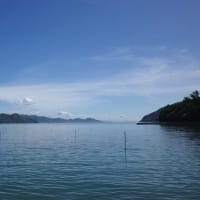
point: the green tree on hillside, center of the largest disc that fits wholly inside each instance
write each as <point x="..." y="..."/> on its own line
<point x="185" y="111"/>
<point x="195" y="95"/>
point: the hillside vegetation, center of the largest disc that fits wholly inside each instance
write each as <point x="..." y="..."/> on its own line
<point x="187" y="110"/>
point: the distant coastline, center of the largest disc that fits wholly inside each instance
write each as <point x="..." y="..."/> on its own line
<point x="20" y="118"/>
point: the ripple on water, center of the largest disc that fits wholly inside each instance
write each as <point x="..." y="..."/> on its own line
<point x="48" y="162"/>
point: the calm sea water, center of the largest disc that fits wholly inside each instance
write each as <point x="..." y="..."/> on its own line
<point x="51" y="161"/>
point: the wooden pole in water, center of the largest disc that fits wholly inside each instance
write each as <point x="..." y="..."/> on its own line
<point x="125" y="140"/>
<point x="75" y="134"/>
<point x="125" y="146"/>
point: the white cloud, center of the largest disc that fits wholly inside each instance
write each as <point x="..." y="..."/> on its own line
<point x="69" y="115"/>
<point x="64" y="114"/>
<point x="26" y="101"/>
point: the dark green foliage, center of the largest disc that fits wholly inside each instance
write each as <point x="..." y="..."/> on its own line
<point x="186" y="111"/>
<point x="152" y="117"/>
<point x="195" y="95"/>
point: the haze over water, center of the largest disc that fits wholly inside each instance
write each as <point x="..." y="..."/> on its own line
<point x="51" y="161"/>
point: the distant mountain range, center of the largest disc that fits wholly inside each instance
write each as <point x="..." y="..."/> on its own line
<point x="187" y="110"/>
<point x="19" y="118"/>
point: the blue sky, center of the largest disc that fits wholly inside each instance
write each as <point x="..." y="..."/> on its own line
<point x="109" y="59"/>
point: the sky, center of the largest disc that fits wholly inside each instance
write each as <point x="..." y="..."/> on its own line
<point x="109" y="59"/>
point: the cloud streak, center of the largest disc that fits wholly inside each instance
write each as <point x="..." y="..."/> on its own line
<point x="148" y="76"/>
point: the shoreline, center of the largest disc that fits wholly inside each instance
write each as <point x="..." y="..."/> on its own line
<point x="168" y="123"/>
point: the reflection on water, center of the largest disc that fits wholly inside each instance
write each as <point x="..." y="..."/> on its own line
<point x="190" y="131"/>
<point x="91" y="161"/>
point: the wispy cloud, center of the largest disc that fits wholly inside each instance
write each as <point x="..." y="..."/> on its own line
<point x="160" y="74"/>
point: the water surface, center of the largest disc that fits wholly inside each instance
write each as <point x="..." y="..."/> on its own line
<point x="53" y="161"/>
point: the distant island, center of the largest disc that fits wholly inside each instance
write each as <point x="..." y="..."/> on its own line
<point x="19" y="118"/>
<point x="187" y="110"/>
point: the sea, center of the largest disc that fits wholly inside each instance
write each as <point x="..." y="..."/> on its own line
<point x="96" y="161"/>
